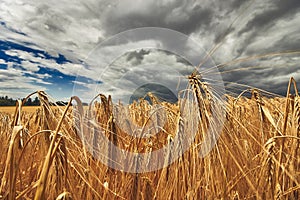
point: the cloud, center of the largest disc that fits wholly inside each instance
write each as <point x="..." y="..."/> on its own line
<point x="15" y="84"/>
<point x="58" y="26"/>
<point x="278" y="10"/>
<point x="135" y="69"/>
<point x="2" y="61"/>
<point x="183" y="16"/>
<point x="60" y="35"/>
<point x="32" y="62"/>
<point x="136" y="57"/>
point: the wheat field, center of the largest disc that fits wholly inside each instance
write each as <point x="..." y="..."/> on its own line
<point x="256" y="155"/>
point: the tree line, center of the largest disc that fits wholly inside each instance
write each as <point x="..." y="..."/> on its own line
<point x="6" y="101"/>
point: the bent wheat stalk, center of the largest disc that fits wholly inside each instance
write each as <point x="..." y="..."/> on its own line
<point x="41" y="184"/>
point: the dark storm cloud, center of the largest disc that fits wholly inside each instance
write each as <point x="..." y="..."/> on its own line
<point x="289" y="42"/>
<point x="270" y="74"/>
<point x="200" y="17"/>
<point x="237" y="3"/>
<point x="136" y="57"/>
<point x="183" y="61"/>
<point x="181" y="16"/>
<point x="213" y="19"/>
<point x="278" y="11"/>
<point x="219" y="37"/>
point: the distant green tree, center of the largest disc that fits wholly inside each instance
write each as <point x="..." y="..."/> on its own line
<point x="36" y="102"/>
<point x="28" y="102"/>
<point x="6" y="101"/>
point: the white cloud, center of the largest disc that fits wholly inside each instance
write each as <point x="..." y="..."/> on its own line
<point x="58" y="25"/>
<point x="15" y="84"/>
<point x="29" y="66"/>
<point x="33" y="63"/>
<point x="2" y="61"/>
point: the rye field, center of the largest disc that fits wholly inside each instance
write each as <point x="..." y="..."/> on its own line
<point x="256" y="155"/>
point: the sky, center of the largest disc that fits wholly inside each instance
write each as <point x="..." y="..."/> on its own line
<point x="86" y="47"/>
